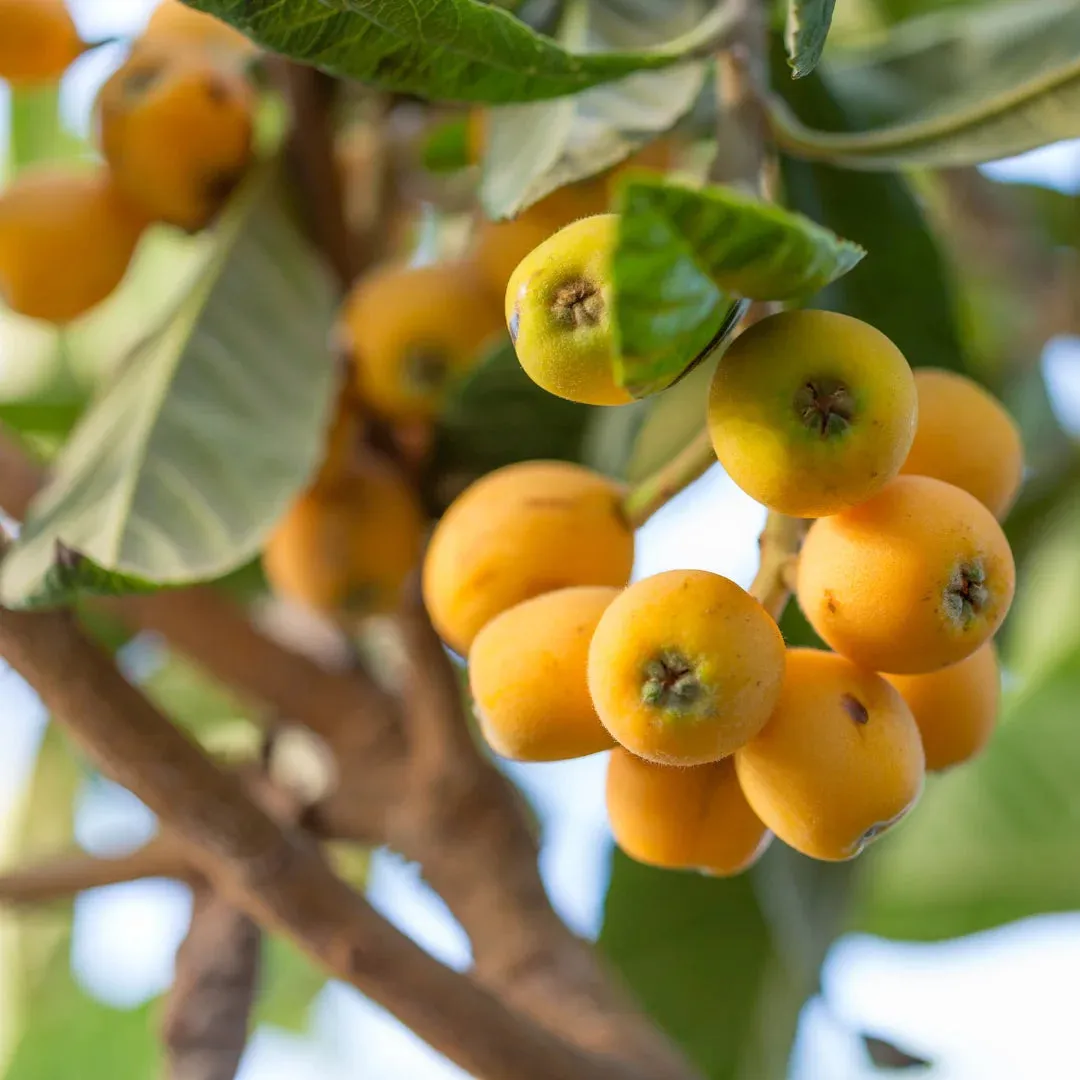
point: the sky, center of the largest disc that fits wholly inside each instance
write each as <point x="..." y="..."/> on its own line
<point x="996" y="1005"/>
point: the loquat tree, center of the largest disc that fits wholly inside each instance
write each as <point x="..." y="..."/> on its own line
<point x="342" y="365"/>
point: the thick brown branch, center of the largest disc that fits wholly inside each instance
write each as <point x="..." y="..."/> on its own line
<point x="464" y="822"/>
<point x="205" y="1027"/>
<point x="61" y="878"/>
<point x="20" y="477"/>
<point x="275" y="876"/>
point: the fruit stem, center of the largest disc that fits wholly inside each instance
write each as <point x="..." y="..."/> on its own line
<point x="779" y="544"/>
<point x="659" y="488"/>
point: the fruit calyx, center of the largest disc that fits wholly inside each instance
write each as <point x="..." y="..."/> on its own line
<point x="966" y="594"/>
<point x="578" y="303"/>
<point x="671" y="683"/>
<point x="825" y="406"/>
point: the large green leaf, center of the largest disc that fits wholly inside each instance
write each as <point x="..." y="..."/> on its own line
<point x="193" y="451"/>
<point x="532" y="149"/>
<point x="682" y="258"/>
<point x="955" y="88"/>
<point x="808" y="24"/>
<point x="450" y="50"/>
<point x="903" y="286"/>
<point x="724" y="974"/>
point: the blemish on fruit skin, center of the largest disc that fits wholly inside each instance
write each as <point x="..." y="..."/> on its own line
<point x="855" y="709"/>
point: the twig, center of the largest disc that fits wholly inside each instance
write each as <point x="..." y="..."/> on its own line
<point x="275" y="876"/>
<point x="310" y="94"/>
<point x="657" y="490"/>
<point x="779" y="543"/>
<point x="62" y="877"/>
<point x="205" y="1026"/>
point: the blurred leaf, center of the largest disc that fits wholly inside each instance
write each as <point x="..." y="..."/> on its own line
<point x="902" y="287"/>
<point x="447" y="146"/>
<point x="37" y="133"/>
<point x="70" y="1034"/>
<point x="684" y="255"/>
<point x="995" y="840"/>
<point x="192" y="698"/>
<point x="532" y="149"/>
<point x="40" y="825"/>
<point x="497" y="415"/>
<point x="956" y="88"/>
<point x="725" y="977"/>
<point x="289" y="984"/>
<point x="186" y="461"/>
<point x="448" y="50"/>
<point x="41" y="417"/>
<point x="807" y="28"/>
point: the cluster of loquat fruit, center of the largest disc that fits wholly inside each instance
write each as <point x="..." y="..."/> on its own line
<point x="722" y="737"/>
<point x="175" y="128"/>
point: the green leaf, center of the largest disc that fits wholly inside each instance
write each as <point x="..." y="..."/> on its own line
<point x="532" y="149"/>
<point x="903" y="286"/>
<point x="955" y="88"/>
<point x="808" y="24"/>
<point x="448" y="50"/>
<point x="497" y="415"/>
<point x="682" y="258"/>
<point x="724" y="966"/>
<point x="996" y="839"/>
<point x="181" y="468"/>
<point x="193" y="699"/>
<point x="37" y="133"/>
<point x="446" y="148"/>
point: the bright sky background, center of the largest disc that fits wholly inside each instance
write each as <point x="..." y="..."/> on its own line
<point x="998" y="1005"/>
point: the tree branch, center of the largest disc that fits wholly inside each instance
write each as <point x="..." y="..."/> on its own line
<point x="779" y="544"/>
<point x="205" y="1027"/>
<point x="274" y="876"/>
<point x="62" y="877"/>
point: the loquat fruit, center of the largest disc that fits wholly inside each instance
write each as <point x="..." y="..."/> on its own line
<point x="685" y="667"/>
<point x="558" y="309"/>
<point x="811" y="412"/>
<point x="38" y="41"/>
<point x="521" y="531"/>
<point x="955" y="707"/>
<point x="914" y="579"/>
<point x="839" y="761"/>
<point x="411" y="331"/>
<point x="173" y="22"/>
<point x="176" y="128"/>
<point x="528" y="671"/>
<point x="346" y="545"/>
<point x="694" y="818"/>
<point x="66" y="239"/>
<point x="966" y="438"/>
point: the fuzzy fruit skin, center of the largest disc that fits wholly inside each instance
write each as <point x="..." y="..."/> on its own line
<point x="411" y="331"/>
<point x="176" y="127"/>
<point x="175" y="23"/>
<point x="878" y="582"/>
<point x="568" y="358"/>
<point x="66" y="239"/>
<point x="347" y="544"/>
<point x="839" y="761"/>
<point x="956" y="708"/>
<point x="965" y="437"/>
<point x="38" y="41"/>
<point x="697" y="620"/>
<point x="518" y="532"/>
<point x="765" y="444"/>
<point x="528" y="672"/>
<point x="683" y="818"/>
